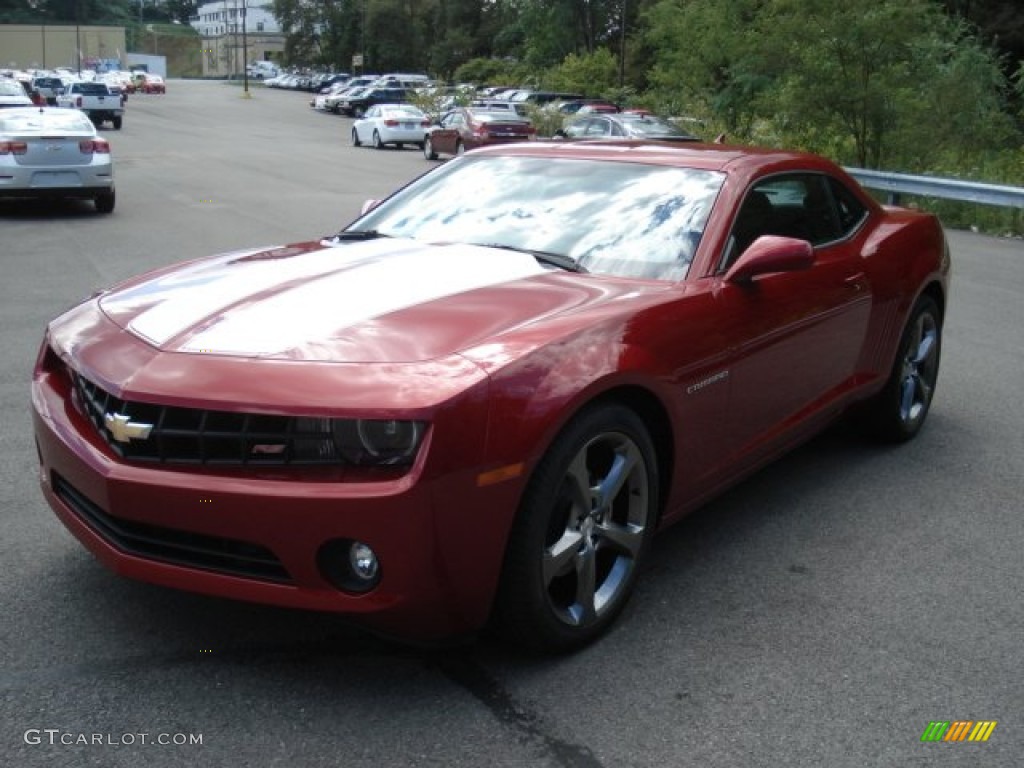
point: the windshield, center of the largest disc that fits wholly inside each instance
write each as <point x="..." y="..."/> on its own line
<point x="648" y="125"/>
<point x="613" y="218"/>
<point x="31" y="121"/>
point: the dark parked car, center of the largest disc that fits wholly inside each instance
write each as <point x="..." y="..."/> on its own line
<point x="623" y="125"/>
<point x="469" y="127"/>
<point x="357" y="105"/>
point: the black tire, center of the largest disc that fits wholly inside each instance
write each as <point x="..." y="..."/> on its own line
<point x="355" y="139"/>
<point x="574" y="553"/>
<point x="117" y="121"/>
<point x="105" y="202"/>
<point x="899" y="411"/>
<point x="377" y="143"/>
<point x="428" y="149"/>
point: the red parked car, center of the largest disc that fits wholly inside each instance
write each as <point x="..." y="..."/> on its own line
<point x="469" y="128"/>
<point x="480" y="400"/>
<point x="151" y="84"/>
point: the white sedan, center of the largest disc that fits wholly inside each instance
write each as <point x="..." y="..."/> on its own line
<point x="397" y="124"/>
<point x="12" y="94"/>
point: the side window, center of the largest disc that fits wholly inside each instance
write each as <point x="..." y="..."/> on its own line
<point x="819" y="220"/>
<point x="753" y="219"/>
<point x="851" y="210"/>
<point x="577" y="128"/>
<point x="799" y="205"/>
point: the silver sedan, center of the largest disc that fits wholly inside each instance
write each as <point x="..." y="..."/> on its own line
<point x="52" y="152"/>
<point x="397" y="124"/>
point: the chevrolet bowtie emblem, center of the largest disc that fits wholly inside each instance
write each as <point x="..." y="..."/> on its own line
<point x="123" y="429"/>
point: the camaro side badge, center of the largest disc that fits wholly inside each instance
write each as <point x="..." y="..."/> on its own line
<point x="123" y="429"/>
<point x="697" y="387"/>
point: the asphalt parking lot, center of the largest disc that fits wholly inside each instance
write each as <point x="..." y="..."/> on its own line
<point x="820" y="614"/>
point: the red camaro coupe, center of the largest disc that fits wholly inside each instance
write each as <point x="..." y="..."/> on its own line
<point x="479" y="401"/>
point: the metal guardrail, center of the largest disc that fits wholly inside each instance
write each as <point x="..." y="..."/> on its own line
<point x="897" y="184"/>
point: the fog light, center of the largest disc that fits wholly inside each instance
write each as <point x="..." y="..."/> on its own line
<point x="349" y="565"/>
<point x="363" y="561"/>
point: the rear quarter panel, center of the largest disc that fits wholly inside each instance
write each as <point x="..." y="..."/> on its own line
<point x="905" y="255"/>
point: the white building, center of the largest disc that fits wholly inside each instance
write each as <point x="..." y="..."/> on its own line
<point x="224" y="17"/>
<point x="226" y="52"/>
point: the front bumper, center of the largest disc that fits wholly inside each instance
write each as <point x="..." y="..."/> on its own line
<point x="256" y="536"/>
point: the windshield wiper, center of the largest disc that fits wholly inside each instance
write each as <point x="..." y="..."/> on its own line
<point x="545" y="257"/>
<point x="359" y="234"/>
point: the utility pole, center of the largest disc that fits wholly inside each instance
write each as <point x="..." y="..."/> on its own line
<point x="245" y="54"/>
<point x="78" y="35"/>
<point x="622" y="46"/>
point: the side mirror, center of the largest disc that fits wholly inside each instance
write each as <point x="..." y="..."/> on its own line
<point x="771" y="253"/>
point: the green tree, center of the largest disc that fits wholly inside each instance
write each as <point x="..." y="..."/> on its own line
<point x="708" y="60"/>
<point x="490" y="71"/>
<point x="877" y="81"/>
<point x="896" y="80"/>
<point x="17" y="12"/>
<point x="87" y="11"/>
<point x="589" y="74"/>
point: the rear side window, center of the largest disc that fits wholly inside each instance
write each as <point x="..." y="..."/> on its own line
<point x="851" y="210"/>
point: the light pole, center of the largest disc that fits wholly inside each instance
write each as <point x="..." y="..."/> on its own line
<point x="245" y="55"/>
<point x="78" y="35"/>
<point x="622" y="46"/>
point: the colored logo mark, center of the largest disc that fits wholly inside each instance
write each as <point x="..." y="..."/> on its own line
<point x="959" y="730"/>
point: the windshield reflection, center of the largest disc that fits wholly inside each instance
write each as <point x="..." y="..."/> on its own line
<point x="613" y="218"/>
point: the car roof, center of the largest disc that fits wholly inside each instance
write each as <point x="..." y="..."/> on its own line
<point x="24" y="120"/>
<point x="712" y="157"/>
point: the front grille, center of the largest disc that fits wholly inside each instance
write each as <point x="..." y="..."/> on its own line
<point x="198" y="436"/>
<point x="168" y="545"/>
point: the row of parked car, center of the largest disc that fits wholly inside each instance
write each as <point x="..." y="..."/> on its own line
<point x="399" y="110"/>
<point x="45" y="86"/>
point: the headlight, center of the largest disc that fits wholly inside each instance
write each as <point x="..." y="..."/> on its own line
<point x="357" y="442"/>
<point x="378" y="442"/>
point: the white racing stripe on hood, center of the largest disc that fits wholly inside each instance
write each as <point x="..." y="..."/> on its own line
<point x="202" y="290"/>
<point x="319" y="308"/>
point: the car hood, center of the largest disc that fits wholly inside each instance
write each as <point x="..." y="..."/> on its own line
<point x="385" y="300"/>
